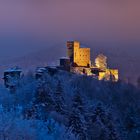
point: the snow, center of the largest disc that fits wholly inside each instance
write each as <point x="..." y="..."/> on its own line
<point x="16" y="69"/>
<point x="69" y="107"/>
<point x="64" y="58"/>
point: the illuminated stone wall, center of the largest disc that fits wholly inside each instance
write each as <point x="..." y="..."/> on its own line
<point x="109" y="75"/>
<point x="82" y="56"/>
<point x="115" y="73"/>
<point x="78" y="56"/>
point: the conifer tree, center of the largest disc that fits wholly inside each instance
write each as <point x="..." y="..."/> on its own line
<point x="78" y="103"/>
<point x="76" y="125"/>
<point x="76" y="117"/>
<point x="99" y="114"/>
<point x="58" y="98"/>
<point x="43" y="101"/>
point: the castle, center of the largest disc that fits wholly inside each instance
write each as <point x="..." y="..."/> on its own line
<point x="77" y="61"/>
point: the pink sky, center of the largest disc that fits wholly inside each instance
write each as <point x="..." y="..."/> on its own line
<point x="103" y="19"/>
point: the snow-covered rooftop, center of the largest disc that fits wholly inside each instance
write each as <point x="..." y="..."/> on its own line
<point x="64" y="57"/>
<point x="16" y="69"/>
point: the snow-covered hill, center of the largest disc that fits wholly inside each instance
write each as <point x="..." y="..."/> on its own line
<point x="69" y="106"/>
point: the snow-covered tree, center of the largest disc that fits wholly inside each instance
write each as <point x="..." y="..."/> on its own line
<point x="67" y="106"/>
<point x="58" y="98"/>
<point x="101" y="61"/>
<point x="76" y="117"/>
<point x="100" y="124"/>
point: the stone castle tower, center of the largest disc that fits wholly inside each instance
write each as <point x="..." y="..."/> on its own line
<point x="78" y="56"/>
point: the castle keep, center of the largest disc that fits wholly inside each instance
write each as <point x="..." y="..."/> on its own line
<point x="78" y="56"/>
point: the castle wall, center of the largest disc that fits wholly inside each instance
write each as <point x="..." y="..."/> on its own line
<point x="115" y="73"/>
<point x="78" y="56"/>
<point x="82" y="56"/>
<point x="109" y="74"/>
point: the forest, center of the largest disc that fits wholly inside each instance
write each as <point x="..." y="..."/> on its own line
<point x="67" y="106"/>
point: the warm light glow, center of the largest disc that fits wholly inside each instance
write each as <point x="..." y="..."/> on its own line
<point x="101" y="61"/>
<point x="80" y="60"/>
<point x="79" y="56"/>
